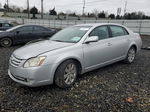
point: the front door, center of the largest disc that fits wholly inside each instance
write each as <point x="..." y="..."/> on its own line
<point x="97" y="53"/>
<point x="24" y="34"/>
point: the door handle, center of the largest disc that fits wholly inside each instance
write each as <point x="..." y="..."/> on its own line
<point x="109" y="44"/>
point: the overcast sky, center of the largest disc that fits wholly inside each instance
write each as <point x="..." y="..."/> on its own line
<point x="76" y="5"/>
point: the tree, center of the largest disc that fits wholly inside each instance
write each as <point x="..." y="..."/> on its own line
<point x="52" y="12"/>
<point x="95" y="12"/>
<point x="6" y="6"/>
<point x="134" y="15"/>
<point x="62" y="14"/>
<point x="73" y="14"/>
<point x="25" y="11"/>
<point x="102" y="14"/>
<point x="112" y="16"/>
<point x="15" y="8"/>
<point x="34" y="11"/>
<point x="91" y="15"/>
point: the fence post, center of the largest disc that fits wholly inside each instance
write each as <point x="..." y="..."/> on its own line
<point x="61" y="26"/>
<point x="140" y="27"/>
<point x="22" y="21"/>
<point x="49" y="24"/>
<point x="75" y="22"/>
<point x="123" y="22"/>
<point x="54" y="23"/>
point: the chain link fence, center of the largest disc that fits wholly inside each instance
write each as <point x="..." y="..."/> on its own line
<point x="138" y="26"/>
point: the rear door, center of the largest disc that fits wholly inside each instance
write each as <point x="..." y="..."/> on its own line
<point x="41" y="32"/>
<point x="119" y="41"/>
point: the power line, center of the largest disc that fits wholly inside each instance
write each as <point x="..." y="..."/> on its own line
<point x="87" y="3"/>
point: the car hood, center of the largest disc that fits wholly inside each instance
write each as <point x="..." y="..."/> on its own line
<point x="35" y="49"/>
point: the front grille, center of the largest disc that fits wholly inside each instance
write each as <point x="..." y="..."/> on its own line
<point x="15" y="61"/>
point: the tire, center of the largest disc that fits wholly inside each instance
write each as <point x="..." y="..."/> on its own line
<point x="64" y="77"/>
<point x="6" y="42"/>
<point x="130" y="55"/>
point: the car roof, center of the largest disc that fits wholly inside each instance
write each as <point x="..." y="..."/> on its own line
<point x="29" y="25"/>
<point x="18" y="26"/>
<point x="97" y="24"/>
<point x="4" y="22"/>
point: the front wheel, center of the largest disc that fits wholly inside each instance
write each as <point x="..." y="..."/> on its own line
<point x="130" y="55"/>
<point x="6" y="42"/>
<point x="66" y="74"/>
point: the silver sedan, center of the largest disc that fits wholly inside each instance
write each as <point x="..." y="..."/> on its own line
<point x="72" y="51"/>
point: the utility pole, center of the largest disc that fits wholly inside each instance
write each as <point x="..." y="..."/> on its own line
<point x="41" y="9"/>
<point x="125" y="8"/>
<point x="7" y="5"/>
<point x="83" y="7"/>
<point x="28" y="9"/>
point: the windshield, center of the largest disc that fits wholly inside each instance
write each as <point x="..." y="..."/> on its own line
<point x="13" y="28"/>
<point x="71" y="34"/>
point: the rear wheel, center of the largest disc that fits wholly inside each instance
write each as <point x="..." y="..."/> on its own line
<point x="66" y="74"/>
<point x="6" y="42"/>
<point x="131" y="55"/>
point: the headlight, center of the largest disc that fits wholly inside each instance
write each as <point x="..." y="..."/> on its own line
<point x="33" y="62"/>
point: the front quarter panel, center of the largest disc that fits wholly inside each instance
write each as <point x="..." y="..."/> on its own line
<point x="55" y="58"/>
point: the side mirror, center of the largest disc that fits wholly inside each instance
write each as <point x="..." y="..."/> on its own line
<point x="91" y="39"/>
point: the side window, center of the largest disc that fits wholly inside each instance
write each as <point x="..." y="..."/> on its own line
<point x="101" y="32"/>
<point x="0" y="24"/>
<point x="118" y="31"/>
<point x="125" y="31"/>
<point x="37" y="28"/>
<point x="6" y="25"/>
<point x="25" y="29"/>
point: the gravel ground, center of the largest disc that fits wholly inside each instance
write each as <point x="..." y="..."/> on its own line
<point x="116" y="88"/>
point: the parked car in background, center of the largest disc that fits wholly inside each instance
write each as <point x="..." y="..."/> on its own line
<point x="23" y="34"/>
<point x="5" y="25"/>
<point x="72" y="51"/>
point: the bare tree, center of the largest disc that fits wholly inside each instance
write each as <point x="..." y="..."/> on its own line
<point x="95" y="12"/>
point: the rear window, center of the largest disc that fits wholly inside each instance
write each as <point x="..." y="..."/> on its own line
<point x="6" y="25"/>
<point x="118" y="31"/>
<point x="38" y="28"/>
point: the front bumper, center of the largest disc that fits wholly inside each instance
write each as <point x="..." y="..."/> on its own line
<point x="32" y="77"/>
